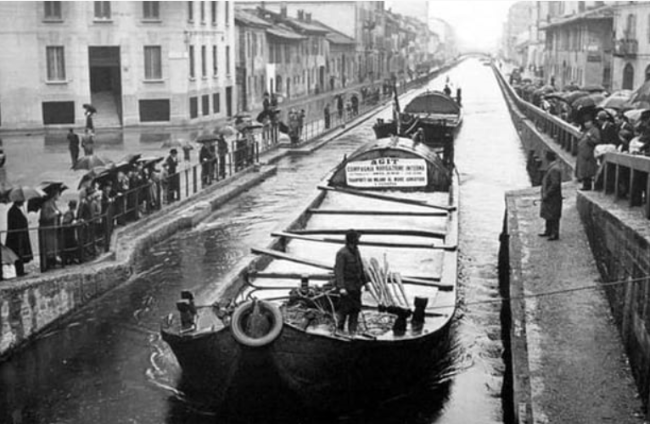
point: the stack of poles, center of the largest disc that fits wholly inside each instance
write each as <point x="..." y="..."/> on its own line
<point x="385" y="287"/>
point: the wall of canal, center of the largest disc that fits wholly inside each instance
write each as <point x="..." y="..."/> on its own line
<point x="615" y="219"/>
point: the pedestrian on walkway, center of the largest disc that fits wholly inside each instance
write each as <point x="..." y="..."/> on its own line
<point x="18" y="237"/>
<point x="49" y="222"/>
<point x="551" y="206"/>
<point x="207" y="161"/>
<point x="73" y="146"/>
<point x="326" y="113"/>
<point x="174" y="178"/>
<point x="586" y="165"/>
<point x="459" y="96"/>
<point x="88" y="142"/>
<point x="70" y="253"/>
<point x="89" y="119"/>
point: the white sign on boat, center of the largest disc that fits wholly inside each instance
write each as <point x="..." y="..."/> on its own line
<point x="387" y="172"/>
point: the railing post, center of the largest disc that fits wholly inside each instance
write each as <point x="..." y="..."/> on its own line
<point x="647" y="196"/>
<point x="194" y="180"/>
<point x="617" y="181"/>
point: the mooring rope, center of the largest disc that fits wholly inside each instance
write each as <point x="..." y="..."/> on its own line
<point x="546" y="293"/>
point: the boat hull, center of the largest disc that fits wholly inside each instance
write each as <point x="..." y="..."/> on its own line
<point x="323" y="373"/>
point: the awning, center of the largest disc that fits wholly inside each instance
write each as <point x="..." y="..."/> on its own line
<point x="287" y="35"/>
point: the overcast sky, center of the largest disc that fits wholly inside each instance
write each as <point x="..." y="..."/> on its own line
<point x="477" y="23"/>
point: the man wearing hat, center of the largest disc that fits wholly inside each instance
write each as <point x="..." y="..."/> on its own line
<point x="350" y="278"/>
<point x="551" y="206"/>
<point x="586" y="165"/>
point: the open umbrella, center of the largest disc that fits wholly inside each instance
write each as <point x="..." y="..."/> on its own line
<point x="574" y="95"/>
<point x="90" y="162"/>
<point x="98" y="173"/>
<point x="207" y="138"/>
<point x="90" y="108"/>
<point x="4" y="193"/>
<point x="593" y="88"/>
<point x="24" y="193"/>
<point x="590" y="100"/>
<point x="226" y="131"/>
<point x="8" y="255"/>
<point x="616" y="100"/>
<point x="150" y="160"/>
<point x="571" y="87"/>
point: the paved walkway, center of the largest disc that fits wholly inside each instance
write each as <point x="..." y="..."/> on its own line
<point x="577" y="367"/>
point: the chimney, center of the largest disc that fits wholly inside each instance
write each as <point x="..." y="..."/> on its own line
<point x="301" y="15"/>
<point x="283" y="9"/>
<point x="308" y="17"/>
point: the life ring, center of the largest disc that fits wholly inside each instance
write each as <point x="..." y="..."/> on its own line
<point x="242" y="314"/>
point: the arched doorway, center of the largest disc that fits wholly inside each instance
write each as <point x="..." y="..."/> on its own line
<point x="628" y="77"/>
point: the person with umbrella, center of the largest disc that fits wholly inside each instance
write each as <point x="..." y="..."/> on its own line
<point x="207" y="160"/>
<point x="90" y="111"/>
<point x="174" y="178"/>
<point x="73" y="146"/>
<point x="49" y="222"/>
<point x="18" y="236"/>
<point x="70" y="254"/>
<point x="88" y="143"/>
<point x="586" y="165"/>
<point x="222" y="152"/>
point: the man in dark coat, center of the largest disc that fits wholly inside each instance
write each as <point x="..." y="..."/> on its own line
<point x="174" y="178"/>
<point x="586" y="165"/>
<point x="608" y="130"/>
<point x="73" y="146"/>
<point x="551" y="207"/>
<point x="350" y="278"/>
<point x="18" y="237"/>
<point x="207" y="162"/>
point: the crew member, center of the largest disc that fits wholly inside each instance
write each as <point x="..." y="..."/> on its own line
<point x="350" y="278"/>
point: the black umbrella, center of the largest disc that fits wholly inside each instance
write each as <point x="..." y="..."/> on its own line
<point x="90" y="162"/>
<point x="8" y="255"/>
<point x="90" y="108"/>
<point x="150" y="160"/>
<point x="594" y="88"/>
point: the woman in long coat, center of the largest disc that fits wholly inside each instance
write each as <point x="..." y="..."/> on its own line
<point x="49" y="223"/>
<point x="586" y="165"/>
<point x="18" y="236"/>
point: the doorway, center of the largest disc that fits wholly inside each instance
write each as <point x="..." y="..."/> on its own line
<point x="106" y="85"/>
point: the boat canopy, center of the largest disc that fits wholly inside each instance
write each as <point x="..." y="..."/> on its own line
<point x="393" y="163"/>
<point x="433" y="102"/>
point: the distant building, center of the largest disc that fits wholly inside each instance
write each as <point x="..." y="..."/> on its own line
<point x="251" y="59"/>
<point x="138" y="63"/>
<point x="579" y="45"/>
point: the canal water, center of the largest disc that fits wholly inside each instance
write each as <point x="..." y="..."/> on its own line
<point x="107" y="364"/>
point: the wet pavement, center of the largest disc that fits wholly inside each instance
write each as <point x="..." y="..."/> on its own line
<point x="576" y="369"/>
<point x="107" y="364"/>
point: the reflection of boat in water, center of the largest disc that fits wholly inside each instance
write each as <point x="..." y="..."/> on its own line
<point x="276" y="317"/>
<point x="438" y="114"/>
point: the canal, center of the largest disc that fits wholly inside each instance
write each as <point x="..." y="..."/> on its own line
<point x="107" y="364"/>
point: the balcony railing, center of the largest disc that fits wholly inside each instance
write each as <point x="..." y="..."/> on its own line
<point x="626" y="47"/>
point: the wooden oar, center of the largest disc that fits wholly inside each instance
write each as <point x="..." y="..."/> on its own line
<point x="372" y="212"/>
<point x="365" y="243"/>
<point x="291" y="276"/>
<point x="387" y="198"/>
<point x="432" y="282"/>
<point x="374" y="232"/>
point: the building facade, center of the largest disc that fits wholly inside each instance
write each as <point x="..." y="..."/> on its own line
<point x="579" y="46"/>
<point x="138" y="63"/>
<point x="631" y="63"/>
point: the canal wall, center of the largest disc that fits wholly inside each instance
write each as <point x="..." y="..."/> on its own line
<point x="28" y="306"/>
<point x="617" y="244"/>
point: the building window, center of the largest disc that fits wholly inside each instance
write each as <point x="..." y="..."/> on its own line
<point x="190" y="11"/>
<point x="204" y="62"/>
<point x="103" y="10"/>
<point x="55" y="63"/>
<point x="216" y="103"/>
<point x="192" y="73"/>
<point x="205" y="104"/>
<point x="202" y="12"/>
<point x="649" y="28"/>
<point x="52" y="10"/>
<point x="630" y="30"/>
<point x="227" y="60"/>
<point x="151" y="10"/>
<point x="58" y="113"/>
<point x="194" y="107"/>
<point x="152" y="63"/>
<point x="215" y="67"/>
<point x="154" y="110"/>
<point x="213" y="12"/>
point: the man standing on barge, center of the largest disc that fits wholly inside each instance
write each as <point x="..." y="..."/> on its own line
<point x="350" y="278"/>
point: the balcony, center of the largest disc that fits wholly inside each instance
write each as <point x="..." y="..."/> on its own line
<point x="626" y="47"/>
